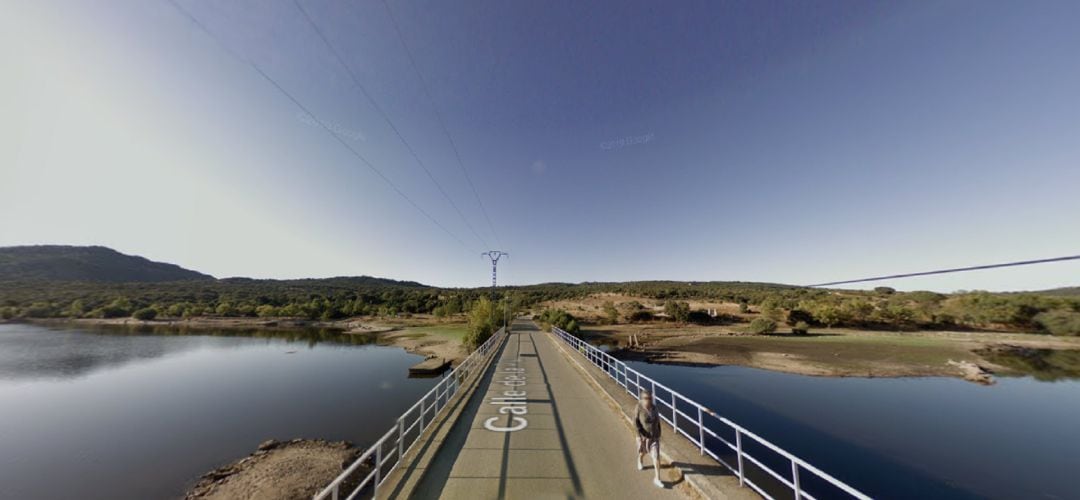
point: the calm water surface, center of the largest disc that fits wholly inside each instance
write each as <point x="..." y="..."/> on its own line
<point x="910" y="437"/>
<point x="87" y="414"/>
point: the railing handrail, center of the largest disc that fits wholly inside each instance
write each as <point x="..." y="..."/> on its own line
<point x="622" y="377"/>
<point x="442" y="394"/>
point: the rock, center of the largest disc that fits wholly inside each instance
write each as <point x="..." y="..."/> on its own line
<point x="973" y="372"/>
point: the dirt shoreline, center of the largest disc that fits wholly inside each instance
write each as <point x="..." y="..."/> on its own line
<point x="835" y="353"/>
<point x="295" y="469"/>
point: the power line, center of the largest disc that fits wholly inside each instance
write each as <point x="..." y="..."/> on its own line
<point x="439" y="118"/>
<point x="953" y="270"/>
<point x="296" y="102"/>
<point x="385" y="117"/>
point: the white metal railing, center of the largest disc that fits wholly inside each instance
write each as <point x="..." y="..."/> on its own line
<point x="417" y="419"/>
<point x="707" y="431"/>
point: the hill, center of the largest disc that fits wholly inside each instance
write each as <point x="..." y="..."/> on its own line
<point x="86" y="263"/>
<point x="1066" y="291"/>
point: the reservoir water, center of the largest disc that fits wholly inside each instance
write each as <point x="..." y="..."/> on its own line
<point x="119" y="414"/>
<point x="905" y="437"/>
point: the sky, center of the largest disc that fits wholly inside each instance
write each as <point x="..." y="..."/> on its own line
<point x="792" y="142"/>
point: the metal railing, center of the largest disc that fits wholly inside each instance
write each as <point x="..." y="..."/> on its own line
<point x="715" y="436"/>
<point x="409" y="427"/>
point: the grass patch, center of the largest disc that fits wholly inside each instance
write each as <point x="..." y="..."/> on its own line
<point x="451" y="332"/>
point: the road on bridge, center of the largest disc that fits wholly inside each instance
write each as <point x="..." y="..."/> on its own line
<point x="540" y="431"/>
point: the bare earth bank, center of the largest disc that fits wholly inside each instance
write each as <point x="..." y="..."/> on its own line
<point x="295" y="469"/>
<point x="831" y="353"/>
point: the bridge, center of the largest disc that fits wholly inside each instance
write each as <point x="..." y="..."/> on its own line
<point x="533" y="414"/>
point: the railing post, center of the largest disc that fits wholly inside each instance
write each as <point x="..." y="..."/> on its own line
<point x="738" y="452"/>
<point x="422" y="410"/>
<point x="674" y="413"/>
<point x="701" y="430"/>
<point x="378" y="470"/>
<point x="795" y="479"/>
<point x="401" y="437"/>
<point x="334" y="493"/>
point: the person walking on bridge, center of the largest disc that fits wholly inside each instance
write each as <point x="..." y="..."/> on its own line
<point x="647" y="422"/>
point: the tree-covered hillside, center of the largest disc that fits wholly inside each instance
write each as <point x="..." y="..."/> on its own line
<point x="335" y="298"/>
<point x="93" y="263"/>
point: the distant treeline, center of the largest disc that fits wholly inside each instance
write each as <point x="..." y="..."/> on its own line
<point x="335" y="298"/>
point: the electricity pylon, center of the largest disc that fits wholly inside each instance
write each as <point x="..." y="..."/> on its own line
<point x="494" y="255"/>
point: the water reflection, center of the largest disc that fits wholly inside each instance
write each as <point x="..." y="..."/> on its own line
<point x="66" y="352"/>
<point x="905" y="437"/>
<point x="131" y="413"/>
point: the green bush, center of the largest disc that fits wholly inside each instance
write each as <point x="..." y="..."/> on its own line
<point x="800" y="328"/>
<point x="678" y="311"/>
<point x="561" y="319"/>
<point x="762" y="326"/>
<point x="611" y="312"/>
<point x="1060" y="322"/>
<point x="145" y="314"/>
<point x="483" y="320"/>
<point x="796" y="316"/>
<point x="266" y="311"/>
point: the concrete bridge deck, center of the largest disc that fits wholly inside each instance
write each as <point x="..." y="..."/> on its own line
<point x="560" y="440"/>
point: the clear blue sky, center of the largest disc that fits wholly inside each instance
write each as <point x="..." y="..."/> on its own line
<point x="791" y="142"/>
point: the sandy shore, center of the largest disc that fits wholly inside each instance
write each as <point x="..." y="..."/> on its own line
<point x="831" y="353"/>
<point x="295" y="469"/>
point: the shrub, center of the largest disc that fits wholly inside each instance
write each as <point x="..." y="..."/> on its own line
<point x="762" y="326"/>
<point x="266" y="311"/>
<point x="700" y="317"/>
<point x="145" y="314"/>
<point x="796" y="316"/>
<point x="744" y="307"/>
<point x="640" y="316"/>
<point x="800" y="328"/>
<point x="678" y="311"/>
<point x="484" y="319"/>
<point x="1060" y="322"/>
<point x="611" y="312"/>
<point x="560" y="319"/>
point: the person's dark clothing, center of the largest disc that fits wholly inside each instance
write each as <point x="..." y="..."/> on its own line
<point x="647" y="423"/>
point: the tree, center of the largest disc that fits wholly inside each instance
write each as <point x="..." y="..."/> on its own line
<point x="560" y="319"/>
<point x="859" y="311"/>
<point x="796" y="316"/>
<point x="830" y="315"/>
<point x="145" y="314"/>
<point x="678" y="311"/>
<point x="266" y="311"/>
<point x="762" y="326"/>
<point x="7" y="312"/>
<point x="611" y="312"/>
<point x="76" y="309"/>
<point x="1060" y="322"/>
<point x="771" y="309"/>
<point x="177" y="310"/>
<point x="884" y="290"/>
<point x="481" y="322"/>
<point x="225" y="309"/>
